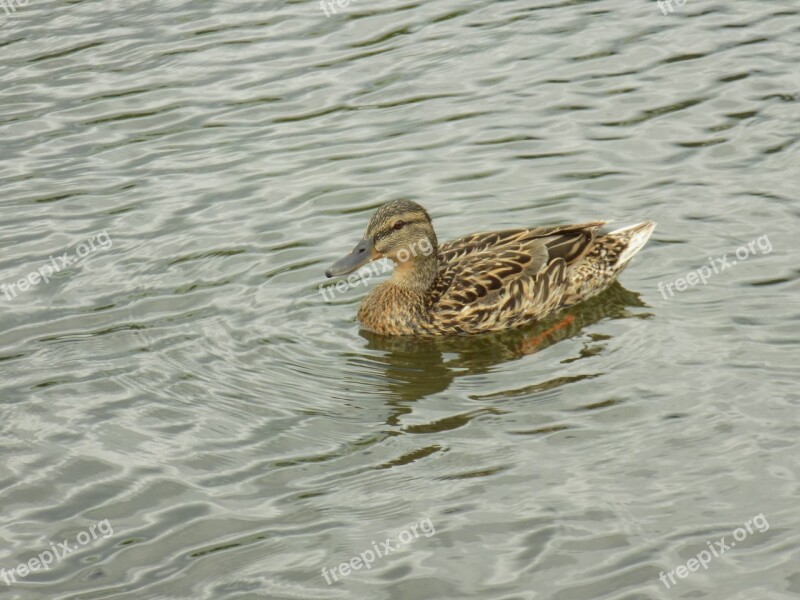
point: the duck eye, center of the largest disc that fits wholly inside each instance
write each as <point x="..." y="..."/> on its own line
<point x="398" y="225"/>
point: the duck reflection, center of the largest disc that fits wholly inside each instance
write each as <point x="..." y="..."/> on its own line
<point x="415" y="368"/>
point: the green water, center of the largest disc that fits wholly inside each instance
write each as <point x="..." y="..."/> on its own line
<point x="185" y="380"/>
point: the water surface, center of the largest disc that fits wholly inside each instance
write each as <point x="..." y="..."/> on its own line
<point x="188" y="383"/>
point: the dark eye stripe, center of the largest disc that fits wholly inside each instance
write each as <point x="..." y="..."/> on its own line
<point x="412" y="221"/>
<point x="386" y="232"/>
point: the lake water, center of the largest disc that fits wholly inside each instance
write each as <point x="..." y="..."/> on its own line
<point x="182" y="407"/>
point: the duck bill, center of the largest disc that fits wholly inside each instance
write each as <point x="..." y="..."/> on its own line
<point x="361" y="255"/>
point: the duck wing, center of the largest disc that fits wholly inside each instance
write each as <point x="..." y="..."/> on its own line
<point x="493" y="279"/>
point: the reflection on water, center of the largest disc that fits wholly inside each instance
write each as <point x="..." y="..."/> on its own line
<point x="190" y="385"/>
<point x="416" y="368"/>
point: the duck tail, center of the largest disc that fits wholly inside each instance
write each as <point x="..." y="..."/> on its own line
<point x="631" y="239"/>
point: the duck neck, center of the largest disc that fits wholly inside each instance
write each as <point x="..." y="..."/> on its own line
<point x="418" y="275"/>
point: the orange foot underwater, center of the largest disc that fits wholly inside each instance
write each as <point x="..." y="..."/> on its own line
<point x="532" y="345"/>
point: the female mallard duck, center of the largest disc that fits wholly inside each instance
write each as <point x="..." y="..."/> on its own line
<point x="485" y="281"/>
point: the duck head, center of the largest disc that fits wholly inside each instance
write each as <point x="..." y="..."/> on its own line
<point x="400" y="230"/>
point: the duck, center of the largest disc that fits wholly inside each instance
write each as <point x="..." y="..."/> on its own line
<point x="481" y="282"/>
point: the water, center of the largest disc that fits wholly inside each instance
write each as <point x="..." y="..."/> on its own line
<point x="185" y="381"/>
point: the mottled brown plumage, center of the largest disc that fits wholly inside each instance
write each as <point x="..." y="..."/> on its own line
<point x="484" y="281"/>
